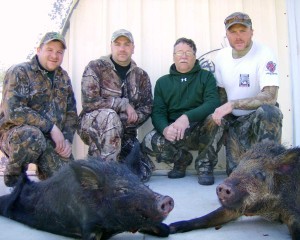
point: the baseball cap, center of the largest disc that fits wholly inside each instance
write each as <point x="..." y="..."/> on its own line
<point x="122" y="32"/>
<point x="237" y="18"/>
<point x="51" y="36"/>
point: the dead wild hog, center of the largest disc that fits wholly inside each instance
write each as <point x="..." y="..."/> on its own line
<point x="90" y="200"/>
<point x="265" y="183"/>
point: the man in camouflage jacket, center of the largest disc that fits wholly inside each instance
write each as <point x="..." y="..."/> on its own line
<point x="38" y="112"/>
<point x="116" y="100"/>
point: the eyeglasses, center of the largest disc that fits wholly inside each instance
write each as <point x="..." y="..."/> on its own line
<point x="181" y="53"/>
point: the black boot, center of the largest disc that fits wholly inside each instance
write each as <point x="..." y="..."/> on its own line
<point x="11" y="175"/>
<point x="180" y="165"/>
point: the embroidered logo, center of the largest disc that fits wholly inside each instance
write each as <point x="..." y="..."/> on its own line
<point x="183" y="79"/>
<point x="244" y="80"/>
<point x="271" y="66"/>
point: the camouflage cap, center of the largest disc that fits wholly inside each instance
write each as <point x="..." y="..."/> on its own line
<point x="237" y="18"/>
<point x="51" y="36"/>
<point x="122" y="32"/>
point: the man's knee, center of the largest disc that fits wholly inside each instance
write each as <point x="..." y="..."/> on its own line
<point x="105" y="119"/>
<point x="148" y="144"/>
<point x="101" y="121"/>
<point x="269" y="113"/>
<point x="27" y="138"/>
<point x="268" y="123"/>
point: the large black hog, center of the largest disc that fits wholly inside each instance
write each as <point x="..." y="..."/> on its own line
<point x="88" y="199"/>
<point x="265" y="183"/>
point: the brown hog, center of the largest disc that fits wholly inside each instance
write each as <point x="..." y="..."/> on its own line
<point x="266" y="183"/>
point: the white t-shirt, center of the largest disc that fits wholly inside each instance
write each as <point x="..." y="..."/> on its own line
<point x="245" y="77"/>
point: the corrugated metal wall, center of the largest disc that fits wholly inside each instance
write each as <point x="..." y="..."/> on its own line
<point x="293" y="10"/>
<point x="156" y="24"/>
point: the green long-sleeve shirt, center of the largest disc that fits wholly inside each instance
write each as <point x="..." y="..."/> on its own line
<point x="193" y="93"/>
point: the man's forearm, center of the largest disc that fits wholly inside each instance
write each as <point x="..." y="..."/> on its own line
<point x="267" y="96"/>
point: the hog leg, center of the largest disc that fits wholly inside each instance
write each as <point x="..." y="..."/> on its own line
<point x="294" y="230"/>
<point x="212" y="219"/>
<point x="159" y="230"/>
<point x="92" y="236"/>
<point x="295" y="233"/>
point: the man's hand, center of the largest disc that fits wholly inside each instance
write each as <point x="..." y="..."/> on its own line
<point x="222" y="111"/>
<point x="62" y="146"/>
<point x="181" y="124"/>
<point x="170" y="133"/>
<point x="132" y="116"/>
<point x="66" y="152"/>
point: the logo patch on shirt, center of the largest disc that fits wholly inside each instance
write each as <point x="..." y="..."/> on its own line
<point x="244" y="80"/>
<point x="271" y="66"/>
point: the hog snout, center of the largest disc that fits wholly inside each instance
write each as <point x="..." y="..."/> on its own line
<point x="165" y="205"/>
<point x="224" y="192"/>
<point x="231" y="195"/>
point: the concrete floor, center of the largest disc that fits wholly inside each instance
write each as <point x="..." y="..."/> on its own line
<point x="191" y="200"/>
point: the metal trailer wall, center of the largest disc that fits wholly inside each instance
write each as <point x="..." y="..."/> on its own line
<point x="293" y="10"/>
<point x="156" y="24"/>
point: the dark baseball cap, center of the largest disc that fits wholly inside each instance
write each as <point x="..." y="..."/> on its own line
<point x="122" y="32"/>
<point x="237" y="18"/>
<point x="52" y="36"/>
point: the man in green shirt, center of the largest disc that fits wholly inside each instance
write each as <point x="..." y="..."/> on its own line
<point x="183" y="102"/>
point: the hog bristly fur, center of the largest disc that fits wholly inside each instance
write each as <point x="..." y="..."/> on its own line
<point x="88" y="199"/>
<point x="265" y="183"/>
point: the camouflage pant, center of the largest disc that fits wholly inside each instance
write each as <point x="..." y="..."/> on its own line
<point x="200" y="136"/>
<point x="27" y="144"/>
<point x="240" y="133"/>
<point x="102" y="131"/>
<point x="108" y="137"/>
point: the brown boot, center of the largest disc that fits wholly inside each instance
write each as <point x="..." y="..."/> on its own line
<point x="180" y="165"/>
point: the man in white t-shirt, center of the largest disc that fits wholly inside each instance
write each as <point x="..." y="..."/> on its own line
<point x="247" y="78"/>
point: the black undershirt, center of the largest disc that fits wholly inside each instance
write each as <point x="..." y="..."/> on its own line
<point x="121" y="70"/>
<point x="50" y="74"/>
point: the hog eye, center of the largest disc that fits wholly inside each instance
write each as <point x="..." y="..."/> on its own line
<point x="260" y="176"/>
<point x="122" y="190"/>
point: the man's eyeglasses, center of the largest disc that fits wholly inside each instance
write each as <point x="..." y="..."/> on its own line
<point x="181" y="53"/>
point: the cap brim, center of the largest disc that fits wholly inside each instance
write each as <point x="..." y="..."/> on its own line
<point x="121" y="35"/>
<point x="64" y="45"/>
<point x="234" y="23"/>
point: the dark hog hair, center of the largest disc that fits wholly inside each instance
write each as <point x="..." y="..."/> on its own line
<point x="91" y="199"/>
<point x="265" y="183"/>
<point x="256" y="180"/>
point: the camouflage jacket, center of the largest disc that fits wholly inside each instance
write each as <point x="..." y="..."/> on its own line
<point x="101" y="87"/>
<point x="30" y="98"/>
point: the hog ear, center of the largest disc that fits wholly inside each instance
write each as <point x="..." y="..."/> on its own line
<point x="87" y="177"/>
<point x="287" y="161"/>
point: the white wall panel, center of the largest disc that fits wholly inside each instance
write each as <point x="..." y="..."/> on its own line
<point x="156" y="24"/>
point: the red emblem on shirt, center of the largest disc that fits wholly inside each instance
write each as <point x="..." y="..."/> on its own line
<point x="271" y="66"/>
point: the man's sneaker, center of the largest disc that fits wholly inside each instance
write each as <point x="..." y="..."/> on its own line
<point x="206" y="178"/>
<point x="180" y="165"/>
